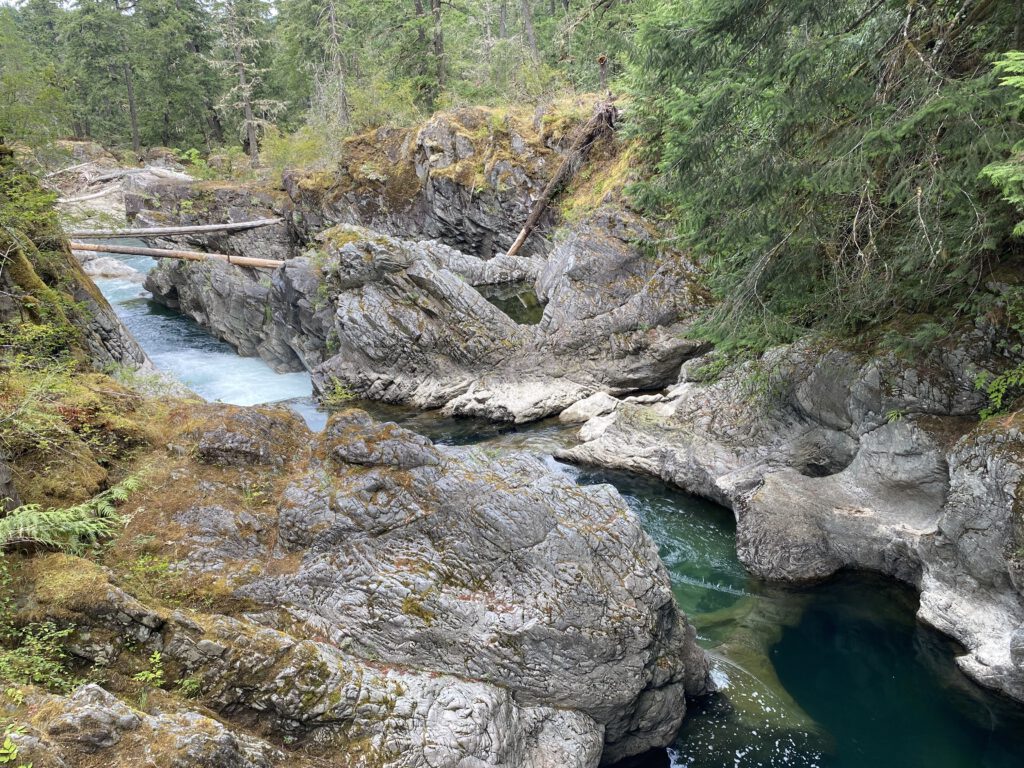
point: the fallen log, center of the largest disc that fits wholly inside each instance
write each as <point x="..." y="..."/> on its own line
<point x="162" y="173"/>
<point x="180" y="230"/>
<point x="167" y="253"/>
<point x="69" y="169"/>
<point x="83" y="198"/>
<point x="601" y="123"/>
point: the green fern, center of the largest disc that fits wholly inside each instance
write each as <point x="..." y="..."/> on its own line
<point x="998" y="388"/>
<point x="72" y="529"/>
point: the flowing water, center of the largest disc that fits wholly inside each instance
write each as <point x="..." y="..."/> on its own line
<point x="835" y="676"/>
<point x="178" y="346"/>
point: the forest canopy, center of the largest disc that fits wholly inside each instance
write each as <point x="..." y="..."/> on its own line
<point x="199" y="73"/>
<point x="832" y="160"/>
<point x="834" y="165"/>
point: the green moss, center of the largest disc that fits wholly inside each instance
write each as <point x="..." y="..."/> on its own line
<point x="65" y="582"/>
<point x="413" y="605"/>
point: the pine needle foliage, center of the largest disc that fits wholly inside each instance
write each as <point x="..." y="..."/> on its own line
<point x="71" y="529"/>
<point x="824" y="157"/>
<point x="1008" y="175"/>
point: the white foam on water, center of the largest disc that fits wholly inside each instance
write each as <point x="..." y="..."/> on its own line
<point x="178" y="346"/>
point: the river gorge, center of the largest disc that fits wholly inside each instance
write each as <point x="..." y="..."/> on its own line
<point x="836" y="675"/>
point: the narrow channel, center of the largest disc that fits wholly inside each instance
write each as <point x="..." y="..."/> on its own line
<point x="835" y="676"/>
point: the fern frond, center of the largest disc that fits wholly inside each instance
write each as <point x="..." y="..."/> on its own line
<point x="71" y="529"/>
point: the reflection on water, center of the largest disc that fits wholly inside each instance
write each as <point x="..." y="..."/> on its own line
<point x="517" y="300"/>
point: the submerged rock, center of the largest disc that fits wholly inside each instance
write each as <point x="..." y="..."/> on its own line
<point x="405" y="604"/>
<point x="831" y="461"/>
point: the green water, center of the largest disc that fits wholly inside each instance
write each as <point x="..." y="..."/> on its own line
<point x="517" y="300"/>
<point x="839" y="675"/>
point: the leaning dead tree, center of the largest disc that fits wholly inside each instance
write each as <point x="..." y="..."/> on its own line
<point x="601" y="124"/>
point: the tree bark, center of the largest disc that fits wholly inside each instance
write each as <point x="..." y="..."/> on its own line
<point x="250" y="118"/>
<point x="503" y="19"/>
<point x="168" y="253"/>
<point x="337" y="63"/>
<point x="528" y="31"/>
<point x="435" y="10"/>
<point x="601" y="123"/>
<point x="1019" y="31"/>
<point x="133" y="113"/>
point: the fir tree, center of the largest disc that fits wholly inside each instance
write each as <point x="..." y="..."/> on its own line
<point x="824" y="158"/>
<point x="243" y="26"/>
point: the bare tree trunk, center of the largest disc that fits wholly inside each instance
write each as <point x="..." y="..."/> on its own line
<point x="133" y="113"/>
<point x="250" y="118"/>
<point x="435" y="9"/>
<point x="503" y="19"/>
<point x="528" y="31"/>
<point x="213" y="123"/>
<point x="602" y="123"/>
<point x="1019" y="31"/>
<point x="337" y="64"/>
<point x="421" y="40"/>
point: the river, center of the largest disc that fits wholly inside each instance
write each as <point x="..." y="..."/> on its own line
<point x="838" y="675"/>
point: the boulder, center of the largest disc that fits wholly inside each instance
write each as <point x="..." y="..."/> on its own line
<point x="598" y="404"/>
<point x="405" y="603"/>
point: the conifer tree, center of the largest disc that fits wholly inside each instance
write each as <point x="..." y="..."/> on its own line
<point x="243" y="26"/>
<point x="825" y="157"/>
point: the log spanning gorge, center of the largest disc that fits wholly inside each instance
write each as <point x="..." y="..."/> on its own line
<point x="838" y="674"/>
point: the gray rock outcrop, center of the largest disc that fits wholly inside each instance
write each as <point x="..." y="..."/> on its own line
<point x="406" y="604"/>
<point x="92" y="724"/>
<point x="400" y="322"/>
<point x="467" y="178"/>
<point x="830" y="461"/>
<point x="153" y="200"/>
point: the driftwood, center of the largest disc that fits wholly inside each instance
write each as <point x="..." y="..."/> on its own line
<point x="603" y="122"/>
<point x="162" y="173"/>
<point x="69" y="169"/>
<point x="83" y="198"/>
<point x="166" y="253"/>
<point x="166" y="231"/>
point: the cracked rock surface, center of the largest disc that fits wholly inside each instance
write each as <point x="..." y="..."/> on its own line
<point x="832" y="460"/>
<point x="379" y="601"/>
